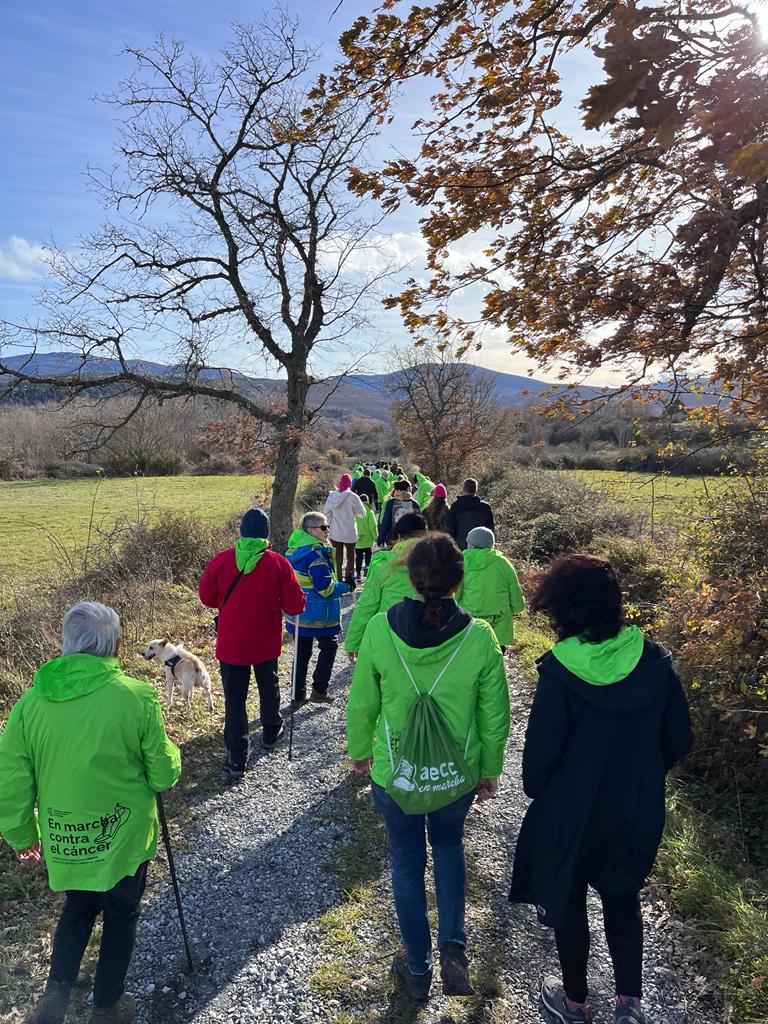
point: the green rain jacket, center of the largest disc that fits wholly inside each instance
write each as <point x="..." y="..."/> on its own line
<point x="367" y="529"/>
<point x="87" y="745"/>
<point x="472" y="695"/>
<point x="387" y="583"/>
<point x="424" y="489"/>
<point x="491" y="591"/>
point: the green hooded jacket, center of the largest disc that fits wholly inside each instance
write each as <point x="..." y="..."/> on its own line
<point x="491" y="591"/>
<point x="82" y="755"/>
<point x="424" y="489"/>
<point x="248" y="551"/>
<point x="472" y="695"/>
<point x="387" y="583"/>
<point x="367" y="529"/>
<point x="603" y="663"/>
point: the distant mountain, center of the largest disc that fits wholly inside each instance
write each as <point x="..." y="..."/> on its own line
<point x="366" y="395"/>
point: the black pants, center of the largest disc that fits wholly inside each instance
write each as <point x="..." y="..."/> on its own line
<point x="623" y="933"/>
<point x="120" y="907"/>
<point x="362" y="555"/>
<point x="235" y="680"/>
<point x="328" y="645"/>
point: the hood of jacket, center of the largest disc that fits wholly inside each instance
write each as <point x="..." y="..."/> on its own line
<point x="407" y="621"/>
<point x="638" y="688"/>
<point x="478" y="559"/>
<point x="248" y="552"/>
<point x="74" y="675"/>
<point x="604" y="663"/>
<point x="301" y="539"/>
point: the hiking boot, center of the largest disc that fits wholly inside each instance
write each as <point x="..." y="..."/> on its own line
<point x="416" y="986"/>
<point x="273" y="743"/>
<point x="299" y="702"/>
<point x="121" y="1012"/>
<point x="628" y="1011"/>
<point x="320" y="698"/>
<point x="233" y="772"/>
<point x="553" y="998"/>
<point x="454" y="970"/>
<point x="52" y="1005"/>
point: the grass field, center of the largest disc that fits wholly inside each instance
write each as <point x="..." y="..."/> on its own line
<point x="42" y="522"/>
<point x="660" y="496"/>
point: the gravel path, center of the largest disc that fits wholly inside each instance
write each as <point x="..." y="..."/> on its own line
<point x="261" y="866"/>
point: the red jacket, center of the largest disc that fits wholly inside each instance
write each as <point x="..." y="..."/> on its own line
<point x="251" y="622"/>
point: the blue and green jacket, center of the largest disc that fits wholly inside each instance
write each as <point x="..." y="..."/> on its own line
<point x="312" y="562"/>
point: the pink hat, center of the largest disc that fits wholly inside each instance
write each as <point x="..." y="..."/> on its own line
<point x="345" y="482"/>
<point x="440" y="492"/>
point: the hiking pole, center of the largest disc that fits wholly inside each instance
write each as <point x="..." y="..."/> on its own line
<point x="174" y="880"/>
<point x="293" y="683"/>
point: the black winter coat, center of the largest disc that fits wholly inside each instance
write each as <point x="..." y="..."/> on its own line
<point x="364" y="485"/>
<point x="467" y="512"/>
<point x="594" y="764"/>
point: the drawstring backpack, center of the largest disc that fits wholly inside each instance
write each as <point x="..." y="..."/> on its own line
<point x="431" y="772"/>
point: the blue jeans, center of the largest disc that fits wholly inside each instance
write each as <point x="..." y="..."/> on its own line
<point x="408" y="850"/>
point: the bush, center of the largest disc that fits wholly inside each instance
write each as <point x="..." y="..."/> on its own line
<point x="642" y="577"/>
<point x="219" y="465"/>
<point x="126" y="464"/>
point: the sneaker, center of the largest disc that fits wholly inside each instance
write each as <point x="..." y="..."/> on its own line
<point x="299" y="702"/>
<point x="273" y="743"/>
<point x="417" y="986"/>
<point x="121" y="1012"/>
<point x="52" y="1006"/>
<point x="320" y="698"/>
<point x="233" y="772"/>
<point x="628" y="1011"/>
<point x="553" y="998"/>
<point x="454" y="970"/>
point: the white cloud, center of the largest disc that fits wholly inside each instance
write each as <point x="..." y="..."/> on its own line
<point x="20" y="260"/>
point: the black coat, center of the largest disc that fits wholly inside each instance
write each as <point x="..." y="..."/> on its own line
<point x="364" y="485"/>
<point x="594" y="764"/>
<point x="467" y="512"/>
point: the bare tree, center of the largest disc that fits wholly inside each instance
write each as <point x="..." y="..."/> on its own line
<point x="229" y="222"/>
<point x="446" y="411"/>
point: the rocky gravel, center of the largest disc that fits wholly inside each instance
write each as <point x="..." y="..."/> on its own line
<point x="259" y="869"/>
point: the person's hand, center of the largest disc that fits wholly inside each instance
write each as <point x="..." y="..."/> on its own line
<point x="31" y="857"/>
<point x="486" y="789"/>
<point x="352" y="655"/>
<point x="361" y="767"/>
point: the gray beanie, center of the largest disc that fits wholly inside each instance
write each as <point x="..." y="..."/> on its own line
<point x="481" y="537"/>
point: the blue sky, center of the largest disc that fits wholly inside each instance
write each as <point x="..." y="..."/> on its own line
<point x="55" y="58"/>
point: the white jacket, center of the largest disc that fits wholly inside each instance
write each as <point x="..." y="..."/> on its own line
<point x="342" y="508"/>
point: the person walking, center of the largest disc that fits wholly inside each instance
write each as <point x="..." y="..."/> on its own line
<point x="401" y="503"/>
<point x="343" y="508"/>
<point x="467" y="512"/>
<point x="491" y="590"/>
<point x="252" y="587"/>
<point x="364" y="485"/>
<point x="608" y="721"/>
<point x="82" y="755"/>
<point x="388" y="580"/>
<point x="429" y="645"/>
<point x="313" y="564"/>
<point x="437" y="509"/>
<point x="424" y="489"/>
<point x="367" y="529"/>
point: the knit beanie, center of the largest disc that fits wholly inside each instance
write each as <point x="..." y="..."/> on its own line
<point x="345" y="482"/>
<point x="439" y="492"/>
<point x="481" y="537"/>
<point x="255" y="523"/>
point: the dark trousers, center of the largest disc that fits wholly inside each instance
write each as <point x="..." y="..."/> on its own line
<point x="623" y="933"/>
<point x="120" y="908"/>
<point x="340" y="547"/>
<point x="235" y="680"/>
<point x="362" y="556"/>
<point x="327" y="645"/>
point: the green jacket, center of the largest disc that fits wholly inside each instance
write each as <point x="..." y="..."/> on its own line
<point x="87" y="745"/>
<point x="472" y="695"/>
<point x="387" y="583"/>
<point x="367" y="529"/>
<point x="424" y="489"/>
<point x="491" y="591"/>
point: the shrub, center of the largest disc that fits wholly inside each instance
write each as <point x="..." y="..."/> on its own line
<point x="642" y="577"/>
<point x="219" y="465"/>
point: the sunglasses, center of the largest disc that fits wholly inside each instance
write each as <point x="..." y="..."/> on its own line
<point x="324" y="527"/>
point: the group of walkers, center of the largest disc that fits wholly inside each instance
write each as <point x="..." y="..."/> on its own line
<point x="428" y="717"/>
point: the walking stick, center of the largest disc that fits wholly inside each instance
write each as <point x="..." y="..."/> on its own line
<point x="293" y="683"/>
<point x="174" y="880"/>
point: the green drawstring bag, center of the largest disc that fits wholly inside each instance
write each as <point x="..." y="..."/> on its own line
<point x="431" y="772"/>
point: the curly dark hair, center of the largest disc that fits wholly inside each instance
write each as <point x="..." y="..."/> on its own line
<point x="436" y="567"/>
<point x="581" y="596"/>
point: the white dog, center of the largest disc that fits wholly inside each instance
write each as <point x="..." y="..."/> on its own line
<point x="180" y="667"/>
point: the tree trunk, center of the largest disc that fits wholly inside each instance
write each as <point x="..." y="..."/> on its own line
<point x="287" y="463"/>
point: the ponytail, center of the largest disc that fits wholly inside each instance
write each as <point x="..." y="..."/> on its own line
<point x="436" y="567"/>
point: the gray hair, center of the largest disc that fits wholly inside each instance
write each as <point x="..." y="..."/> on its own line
<point x="312" y="519"/>
<point x="90" y="628"/>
